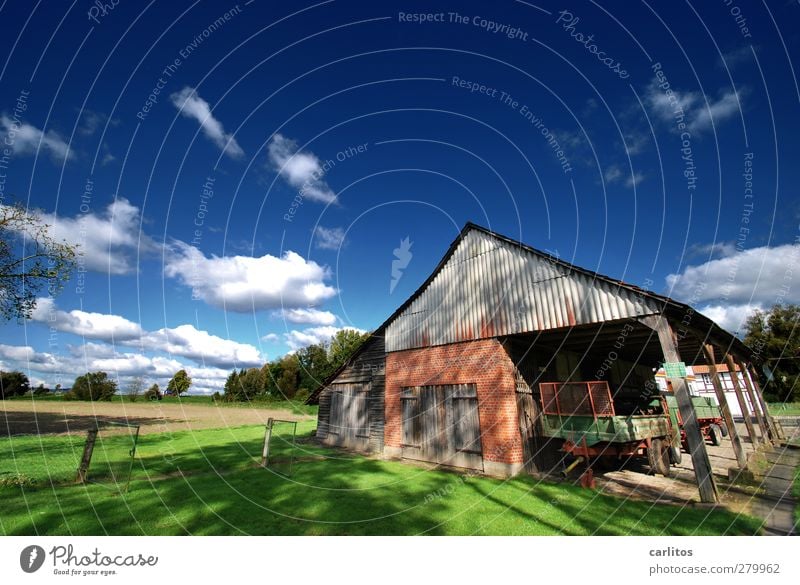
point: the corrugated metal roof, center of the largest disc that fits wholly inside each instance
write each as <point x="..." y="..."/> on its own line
<point x="490" y="287"/>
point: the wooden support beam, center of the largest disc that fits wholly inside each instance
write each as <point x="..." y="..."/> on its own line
<point x="777" y="432"/>
<point x="762" y="423"/>
<point x="697" y="445"/>
<point x="86" y="458"/>
<point x="267" y="437"/>
<point x="736" y="441"/>
<point x="748" y="419"/>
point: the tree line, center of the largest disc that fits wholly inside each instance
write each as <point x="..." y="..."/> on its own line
<point x="296" y="375"/>
<point x="293" y="376"/>
<point x="93" y="386"/>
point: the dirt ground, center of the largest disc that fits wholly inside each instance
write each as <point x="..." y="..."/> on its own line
<point x="634" y="481"/>
<point x="57" y="417"/>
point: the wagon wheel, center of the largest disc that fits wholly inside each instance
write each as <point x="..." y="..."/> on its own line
<point x="658" y="457"/>
<point x="675" y="455"/>
<point x="715" y="435"/>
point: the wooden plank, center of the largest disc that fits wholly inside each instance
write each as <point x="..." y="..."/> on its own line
<point x="777" y="433"/>
<point x="762" y="423"/>
<point x="736" y="440"/>
<point x="748" y="419"/>
<point x="697" y="445"/>
<point x="267" y="437"/>
<point x="444" y="447"/>
<point x="86" y="459"/>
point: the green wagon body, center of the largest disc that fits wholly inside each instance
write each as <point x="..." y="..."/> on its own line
<point x="705" y="407"/>
<point x="709" y="418"/>
<point x="605" y="429"/>
<point x="583" y="416"/>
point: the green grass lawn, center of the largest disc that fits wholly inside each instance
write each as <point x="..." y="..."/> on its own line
<point x="784" y="408"/>
<point x="208" y="482"/>
<point x="796" y="494"/>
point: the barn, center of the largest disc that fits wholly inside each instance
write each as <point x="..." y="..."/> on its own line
<point x="455" y="375"/>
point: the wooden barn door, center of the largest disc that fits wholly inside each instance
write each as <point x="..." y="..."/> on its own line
<point x="441" y="425"/>
<point x="349" y="415"/>
<point x="335" y="423"/>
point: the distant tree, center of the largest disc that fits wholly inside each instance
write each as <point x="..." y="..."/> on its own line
<point x="93" y="386"/>
<point x="343" y="345"/>
<point x="774" y="335"/>
<point x="13" y="384"/>
<point x="314" y="365"/>
<point x="40" y="390"/>
<point x="233" y="388"/>
<point x="271" y="374"/>
<point x="153" y="393"/>
<point x="251" y="383"/>
<point x="289" y="379"/>
<point x="180" y="383"/>
<point x="30" y="260"/>
<point x="135" y="388"/>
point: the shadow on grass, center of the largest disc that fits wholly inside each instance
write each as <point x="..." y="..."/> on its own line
<point x="209" y="483"/>
<point x="42" y="423"/>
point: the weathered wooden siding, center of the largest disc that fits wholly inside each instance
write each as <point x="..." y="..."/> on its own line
<point x="490" y="287"/>
<point x="367" y="369"/>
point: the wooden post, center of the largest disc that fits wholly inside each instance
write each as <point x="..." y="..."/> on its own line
<point x="267" y="437"/>
<point x="776" y="431"/>
<point x="736" y="441"/>
<point x="765" y="434"/>
<point x="83" y="469"/>
<point x="697" y="445"/>
<point x="748" y="419"/>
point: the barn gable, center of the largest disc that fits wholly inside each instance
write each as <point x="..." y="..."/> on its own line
<point x="490" y="286"/>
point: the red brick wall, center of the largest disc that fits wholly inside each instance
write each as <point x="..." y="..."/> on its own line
<point x="484" y="363"/>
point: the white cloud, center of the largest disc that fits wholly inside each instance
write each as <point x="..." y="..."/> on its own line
<point x="92" y="325"/>
<point x="729" y="288"/>
<point x="329" y="238"/>
<point x="743" y="54"/>
<point x="202" y="347"/>
<point x="245" y="283"/>
<point x="54" y="368"/>
<point x="699" y="112"/>
<point x="717" y="110"/>
<point x="635" y="179"/>
<point x="270" y="338"/>
<point x="106" y="240"/>
<point x="612" y="174"/>
<point x="308" y="316"/>
<point x="730" y="317"/>
<point x="92" y="121"/>
<point x="756" y="275"/>
<point x="302" y="170"/>
<point x="24" y="138"/>
<point x="191" y="105"/>
<point x="713" y="249"/>
<point x="298" y="339"/>
<point x="183" y="341"/>
<point x="636" y="142"/>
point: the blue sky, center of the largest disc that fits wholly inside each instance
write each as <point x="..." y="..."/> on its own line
<point x="238" y="176"/>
